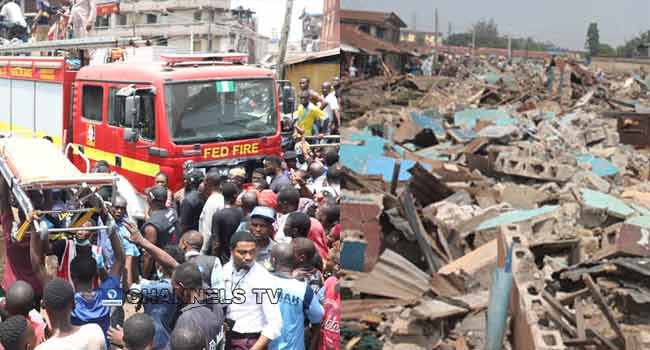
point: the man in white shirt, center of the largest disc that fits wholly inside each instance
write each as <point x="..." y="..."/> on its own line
<point x="333" y="119"/>
<point x="253" y="319"/>
<point x="12" y="17"/>
<point x="214" y="203"/>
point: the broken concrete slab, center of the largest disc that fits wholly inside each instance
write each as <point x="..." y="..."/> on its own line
<point x="533" y="168"/>
<point x="633" y="239"/>
<point x="516" y="216"/>
<point x="598" y="166"/>
<point x="522" y="197"/>
<point x="468" y="118"/>
<point x="474" y="261"/>
<point x="611" y="204"/>
<point x="591" y="180"/>
<point x="498" y="132"/>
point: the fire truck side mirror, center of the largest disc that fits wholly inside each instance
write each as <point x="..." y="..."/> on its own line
<point x="132" y="111"/>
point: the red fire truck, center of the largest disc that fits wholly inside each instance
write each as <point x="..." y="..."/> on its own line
<point x="201" y="111"/>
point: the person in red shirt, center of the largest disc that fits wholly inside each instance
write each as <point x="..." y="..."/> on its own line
<point x="330" y="297"/>
<point x="17" y="263"/>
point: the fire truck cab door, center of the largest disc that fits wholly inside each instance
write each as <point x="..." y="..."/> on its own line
<point x="132" y="124"/>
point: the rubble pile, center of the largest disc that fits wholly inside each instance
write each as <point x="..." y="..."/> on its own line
<point x="490" y="170"/>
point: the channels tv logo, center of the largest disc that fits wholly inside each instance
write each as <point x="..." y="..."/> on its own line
<point x="112" y="297"/>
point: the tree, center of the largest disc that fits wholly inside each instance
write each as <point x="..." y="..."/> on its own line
<point x="593" y="39"/>
<point x="487" y="35"/>
<point x="635" y="47"/>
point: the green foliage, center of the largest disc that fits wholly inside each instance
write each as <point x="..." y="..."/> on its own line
<point x="636" y="47"/>
<point x="593" y="39"/>
<point x="487" y="35"/>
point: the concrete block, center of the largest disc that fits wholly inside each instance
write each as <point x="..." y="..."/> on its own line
<point x="526" y="306"/>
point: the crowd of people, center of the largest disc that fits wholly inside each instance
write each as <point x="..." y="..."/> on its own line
<point x="228" y="262"/>
<point x="59" y="20"/>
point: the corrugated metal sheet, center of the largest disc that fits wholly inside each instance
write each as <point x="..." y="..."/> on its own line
<point x="392" y="277"/>
<point x="355" y="309"/>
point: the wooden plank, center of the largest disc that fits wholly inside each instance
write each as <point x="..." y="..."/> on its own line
<point x="557" y="319"/>
<point x="442" y="287"/>
<point x="395" y="180"/>
<point x="558" y="307"/>
<point x="474" y="260"/>
<point x="433" y="261"/>
<point x="598" y="298"/>
<point x="580" y="317"/>
<point x="568" y="298"/>
<point x="606" y="342"/>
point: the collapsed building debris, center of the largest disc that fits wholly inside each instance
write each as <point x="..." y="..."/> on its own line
<point x="446" y="174"/>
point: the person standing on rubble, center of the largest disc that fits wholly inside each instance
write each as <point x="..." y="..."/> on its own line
<point x="550" y="75"/>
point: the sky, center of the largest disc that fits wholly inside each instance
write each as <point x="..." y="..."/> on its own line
<point x="270" y="14"/>
<point x="563" y="22"/>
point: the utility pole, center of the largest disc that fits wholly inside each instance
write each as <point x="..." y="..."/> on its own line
<point x="284" y="38"/>
<point x="509" y="47"/>
<point x="436" y="29"/>
<point x="449" y="30"/>
<point x="474" y="41"/>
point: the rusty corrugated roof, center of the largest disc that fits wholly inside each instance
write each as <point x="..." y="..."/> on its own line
<point x="371" y="17"/>
<point x="354" y="37"/>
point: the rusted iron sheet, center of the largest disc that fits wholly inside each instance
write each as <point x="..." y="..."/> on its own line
<point x="362" y="214"/>
<point x="426" y="187"/>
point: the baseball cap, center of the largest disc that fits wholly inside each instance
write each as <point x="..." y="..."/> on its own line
<point x="264" y="212"/>
<point x="158" y="193"/>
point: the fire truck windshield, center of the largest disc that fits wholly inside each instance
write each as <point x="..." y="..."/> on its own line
<point x="220" y="110"/>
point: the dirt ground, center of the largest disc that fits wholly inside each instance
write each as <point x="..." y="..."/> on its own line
<point x="620" y="66"/>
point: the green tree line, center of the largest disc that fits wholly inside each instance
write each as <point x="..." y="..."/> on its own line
<point x="487" y="35"/>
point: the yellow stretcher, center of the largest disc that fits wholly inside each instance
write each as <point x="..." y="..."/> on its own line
<point x="36" y="164"/>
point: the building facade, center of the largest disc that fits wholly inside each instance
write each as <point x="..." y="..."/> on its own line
<point x="189" y="26"/>
<point x="369" y="37"/>
<point x="331" y="30"/>
<point x="420" y="38"/>
<point x="311" y="29"/>
<point x="382" y="25"/>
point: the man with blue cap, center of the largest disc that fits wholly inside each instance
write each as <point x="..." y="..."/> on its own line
<point x="261" y="226"/>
